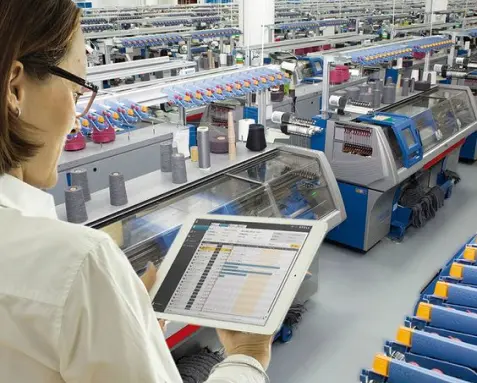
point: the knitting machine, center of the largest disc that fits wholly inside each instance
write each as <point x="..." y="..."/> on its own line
<point x="463" y="72"/>
<point x="438" y="342"/>
<point x="283" y="182"/>
<point x="394" y="166"/>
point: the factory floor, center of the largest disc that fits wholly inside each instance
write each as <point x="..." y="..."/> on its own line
<point x="363" y="298"/>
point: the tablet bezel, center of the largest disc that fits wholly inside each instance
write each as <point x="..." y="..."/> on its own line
<point x="286" y="297"/>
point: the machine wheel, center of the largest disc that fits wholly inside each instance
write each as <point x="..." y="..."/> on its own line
<point x="286" y="333"/>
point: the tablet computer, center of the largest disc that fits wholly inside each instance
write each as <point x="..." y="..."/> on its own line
<point x="235" y="273"/>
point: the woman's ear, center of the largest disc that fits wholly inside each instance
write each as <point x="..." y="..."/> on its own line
<point x="16" y="86"/>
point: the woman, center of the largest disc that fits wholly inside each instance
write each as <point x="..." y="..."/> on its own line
<point x="71" y="307"/>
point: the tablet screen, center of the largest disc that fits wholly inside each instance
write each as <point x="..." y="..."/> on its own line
<point x="229" y="270"/>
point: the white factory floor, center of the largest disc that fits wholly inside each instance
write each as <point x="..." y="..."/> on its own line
<point x="363" y="298"/>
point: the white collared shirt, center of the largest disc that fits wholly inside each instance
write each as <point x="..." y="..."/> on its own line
<point x="72" y="308"/>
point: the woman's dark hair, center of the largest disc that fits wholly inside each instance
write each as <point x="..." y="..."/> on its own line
<point x="38" y="33"/>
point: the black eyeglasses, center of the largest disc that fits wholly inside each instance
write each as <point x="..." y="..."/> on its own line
<point x="86" y="87"/>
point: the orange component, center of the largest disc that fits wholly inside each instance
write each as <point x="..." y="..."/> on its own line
<point x="85" y="123"/>
<point x="101" y="119"/>
<point x="441" y="290"/>
<point x="470" y="253"/>
<point x="130" y="112"/>
<point x="457" y="270"/>
<point x="116" y="116"/>
<point x="144" y="109"/>
<point x="381" y="364"/>
<point x="424" y="311"/>
<point x="404" y="336"/>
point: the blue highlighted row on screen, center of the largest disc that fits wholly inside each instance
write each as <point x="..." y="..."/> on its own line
<point x="251" y="265"/>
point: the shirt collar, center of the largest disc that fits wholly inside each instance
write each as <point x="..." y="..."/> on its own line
<point x="30" y="201"/>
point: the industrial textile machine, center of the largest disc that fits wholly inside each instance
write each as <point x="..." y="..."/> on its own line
<point x="288" y="182"/>
<point x="438" y="342"/>
<point x="395" y="165"/>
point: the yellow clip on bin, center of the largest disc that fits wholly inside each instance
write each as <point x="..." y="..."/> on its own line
<point x="442" y="290"/>
<point x="381" y="365"/>
<point x="470" y="253"/>
<point x="457" y="271"/>
<point x="404" y="336"/>
<point x="424" y="311"/>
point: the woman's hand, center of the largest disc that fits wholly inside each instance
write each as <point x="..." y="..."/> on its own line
<point x="149" y="278"/>
<point x="258" y="347"/>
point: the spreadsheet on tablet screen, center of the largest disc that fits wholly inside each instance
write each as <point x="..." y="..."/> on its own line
<point x="233" y="271"/>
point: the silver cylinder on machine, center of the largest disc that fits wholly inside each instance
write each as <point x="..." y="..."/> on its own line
<point x="353" y="93"/>
<point x="377" y="95"/>
<point x="179" y="172"/>
<point x="367" y="98"/>
<point x="203" y="143"/>
<point x="363" y="89"/>
<point x="405" y="87"/>
<point x="389" y="94"/>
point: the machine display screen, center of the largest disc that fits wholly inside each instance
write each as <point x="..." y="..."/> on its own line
<point x="410" y="141"/>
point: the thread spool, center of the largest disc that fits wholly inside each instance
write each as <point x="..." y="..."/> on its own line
<point x="345" y="75"/>
<point x="203" y="144"/>
<point x="117" y="189"/>
<point x="75" y="205"/>
<point x="165" y="149"/>
<point x="204" y="63"/>
<point x="223" y="59"/>
<point x="366" y="97"/>
<point x="405" y="87"/>
<point x="363" y="88"/>
<point x="179" y="172"/>
<point x="231" y="136"/>
<point x="79" y="177"/>
<point x="353" y="93"/>
<point x="335" y="77"/>
<point x="230" y="60"/>
<point x="194" y="154"/>
<point x="243" y="128"/>
<point x="256" y="138"/>
<point x="389" y="94"/>
<point x="210" y="57"/>
<point x="377" y="94"/>
<point x="219" y="144"/>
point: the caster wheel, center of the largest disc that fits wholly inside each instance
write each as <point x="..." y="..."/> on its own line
<point x="286" y="334"/>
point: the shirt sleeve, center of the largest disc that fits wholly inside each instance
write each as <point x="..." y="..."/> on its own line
<point x="109" y="332"/>
<point x="238" y="369"/>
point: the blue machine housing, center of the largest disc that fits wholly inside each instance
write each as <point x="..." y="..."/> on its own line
<point x="469" y="149"/>
<point x="316" y="65"/>
<point x="406" y="133"/>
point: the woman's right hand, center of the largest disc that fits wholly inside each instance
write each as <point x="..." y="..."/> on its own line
<point x="258" y="347"/>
